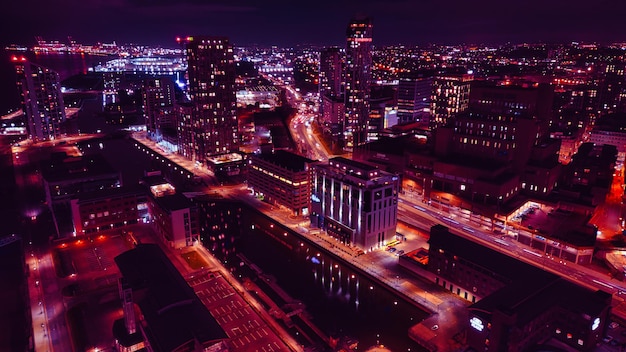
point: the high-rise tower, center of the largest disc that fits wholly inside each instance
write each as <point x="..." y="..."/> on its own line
<point x="450" y="97"/>
<point x="331" y="98"/>
<point x="159" y="108"/>
<point x="42" y="98"/>
<point x="211" y="81"/>
<point x="358" y="77"/>
<point x="331" y="72"/>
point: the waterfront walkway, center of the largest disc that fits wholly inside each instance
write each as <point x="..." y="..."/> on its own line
<point x="440" y="331"/>
<point x="448" y="311"/>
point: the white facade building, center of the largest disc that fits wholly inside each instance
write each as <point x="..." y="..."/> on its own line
<point x="355" y="202"/>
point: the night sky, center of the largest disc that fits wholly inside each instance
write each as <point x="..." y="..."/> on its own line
<point x="282" y="22"/>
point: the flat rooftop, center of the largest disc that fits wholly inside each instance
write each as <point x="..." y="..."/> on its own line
<point x="285" y="159"/>
<point x="353" y="163"/>
<point x="530" y="290"/>
<point x="76" y="168"/>
<point x="496" y="262"/>
<point x="110" y="193"/>
<point x="558" y="224"/>
<point x="171" y="309"/>
<point x="173" y="202"/>
<point x="225" y="158"/>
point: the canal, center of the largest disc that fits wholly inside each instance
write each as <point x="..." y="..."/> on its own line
<point x="341" y="300"/>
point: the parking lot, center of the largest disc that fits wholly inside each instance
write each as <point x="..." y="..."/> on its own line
<point x="246" y="330"/>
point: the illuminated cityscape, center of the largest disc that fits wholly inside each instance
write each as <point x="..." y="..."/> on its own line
<point x="229" y="177"/>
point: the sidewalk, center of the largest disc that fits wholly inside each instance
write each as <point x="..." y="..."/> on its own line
<point x="448" y="310"/>
<point x="445" y="306"/>
<point x="41" y="340"/>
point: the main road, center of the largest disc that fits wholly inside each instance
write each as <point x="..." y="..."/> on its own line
<point x="421" y="215"/>
<point x="300" y="125"/>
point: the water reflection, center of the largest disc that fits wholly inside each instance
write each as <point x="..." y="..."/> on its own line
<point x="341" y="299"/>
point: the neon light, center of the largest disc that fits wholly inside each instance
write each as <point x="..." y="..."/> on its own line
<point x="477" y="324"/>
<point x="596" y="323"/>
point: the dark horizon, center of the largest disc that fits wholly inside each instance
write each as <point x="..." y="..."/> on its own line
<point x="286" y="23"/>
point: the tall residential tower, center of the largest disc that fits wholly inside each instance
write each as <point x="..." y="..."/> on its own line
<point x="358" y="79"/>
<point x="211" y="79"/>
<point x="42" y="99"/>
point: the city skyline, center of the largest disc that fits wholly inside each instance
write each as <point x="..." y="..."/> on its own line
<point x="201" y="190"/>
<point x="322" y="23"/>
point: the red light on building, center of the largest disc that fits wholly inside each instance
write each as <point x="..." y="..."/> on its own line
<point x="178" y="39"/>
<point x="14" y="58"/>
<point x="23" y="58"/>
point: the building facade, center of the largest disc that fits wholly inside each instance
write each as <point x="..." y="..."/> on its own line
<point x="414" y="96"/>
<point x="358" y="79"/>
<point x="175" y="219"/>
<point x="515" y="305"/>
<point x="159" y="110"/>
<point x="185" y="134"/>
<point x="331" y="73"/>
<point x="355" y="202"/>
<point x="450" y="96"/>
<point x="64" y="178"/>
<point x="282" y="178"/>
<point x="42" y="99"/>
<point x="499" y="146"/>
<point x="211" y="83"/>
<point x="107" y="209"/>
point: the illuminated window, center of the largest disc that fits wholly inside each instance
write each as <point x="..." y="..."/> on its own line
<point x="462" y="187"/>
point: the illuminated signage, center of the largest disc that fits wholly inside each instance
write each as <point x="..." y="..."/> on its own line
<point x="596" y="323"/>
<point x="315" y="198"/>
<point x="477" y="324"/>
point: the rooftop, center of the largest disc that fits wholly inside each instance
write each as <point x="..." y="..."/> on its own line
<point x="530" y="290"/>
<point x="493" y="261"/>
<point x="285" y="159"/>
<point x="76" y="168"/>
<point x="393" y="146"/>
<point x="173" y="202"/>
<point x="355" y="164"/>
<point x="110" y="193"/>
<point x="173" y="313"/>
<point x="528" y="299"/>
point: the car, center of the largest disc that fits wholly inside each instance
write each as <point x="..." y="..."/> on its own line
<point x="435" y="327"/>
<point x="613" y="325"/>
<point x="391" y="249"/>
<point x="400" y="252"/>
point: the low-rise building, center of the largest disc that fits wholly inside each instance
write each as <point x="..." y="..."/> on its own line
<point x="175" y="219"/>
<point x="107" y="209"/>
<point x="516" y="305"/>
<point x="590" y="173"/>
<point x="65" y="177"/>
<point x="611" y="131"/>
<point x="161" y="307"/>
<point x="282" y="178"/>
